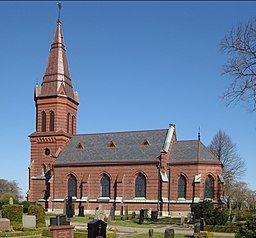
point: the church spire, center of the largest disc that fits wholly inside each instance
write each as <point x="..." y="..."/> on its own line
<point x="57" y="80"/>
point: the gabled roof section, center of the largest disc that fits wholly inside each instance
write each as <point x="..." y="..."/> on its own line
<point x="57" y="70"/>
<point x="128" y="147"/>
<point x="187" y="151"/>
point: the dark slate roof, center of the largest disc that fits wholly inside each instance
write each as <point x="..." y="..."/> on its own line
<point x="185" y="151"/>
<point x="111" y="147"/>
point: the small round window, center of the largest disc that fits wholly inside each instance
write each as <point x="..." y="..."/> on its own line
<point x="47" y="151"/>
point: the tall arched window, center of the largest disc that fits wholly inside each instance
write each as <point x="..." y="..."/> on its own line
<point x="140" y="186"/>
<point x="105" y="186"/>
<point x="209" y="187"/>
<point x="51" y="121"/>
<point x="182" y="187"/>
<point x="43" y="121"/>
<point x="72" y="186"/>
<point x="73" y="125"/>
<point x="68" y="118"/>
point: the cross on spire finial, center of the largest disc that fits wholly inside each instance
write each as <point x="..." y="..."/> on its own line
<point x="199" y="134"/>
<point x="59" y="7"/>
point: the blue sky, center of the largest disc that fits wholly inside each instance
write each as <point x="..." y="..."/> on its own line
<point x="136" y="66"/>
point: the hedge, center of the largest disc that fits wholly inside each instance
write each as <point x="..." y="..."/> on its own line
<point x="12" y="212"/>
<point x="218" y="228"/>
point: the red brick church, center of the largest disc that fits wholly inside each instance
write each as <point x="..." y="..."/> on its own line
<point x="148" y="169"/>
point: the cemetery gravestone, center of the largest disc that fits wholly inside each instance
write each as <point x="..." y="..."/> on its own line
<point x="97" y="228"/>
<point x="150" y="233"/>
<point x="202" y="223"/>
<point x="122" y="211"/>
<point x="81" y="211"/>
<point x="29" y="221"/>
<point x="111" y="214"/>
<point x="154" y="215"/>
<point x="4" y="224"/>
<point x="169" y="233"/>
<point x="141" y="220"/>
<point x="99" y="213"/>
<point x="126" y="217"/>
<point x="197" y="228"/>
<point x="11" y="201"/>
<point x="182" y="220"/>
<point x="70" y="207"/>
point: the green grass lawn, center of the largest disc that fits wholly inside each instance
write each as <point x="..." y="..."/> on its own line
<point x="130" y="223"/>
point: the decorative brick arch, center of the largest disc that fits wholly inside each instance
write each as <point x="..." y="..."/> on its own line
<point x="140" y="185"/>
<point x="185" y="175"/>
<point x="140" y="172"/>
<point x="105" y="184"/>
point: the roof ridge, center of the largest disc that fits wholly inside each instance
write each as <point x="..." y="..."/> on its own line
<point x="119" y="132"/>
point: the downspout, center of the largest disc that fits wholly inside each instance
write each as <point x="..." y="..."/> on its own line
<point x="169" y="188"/>
<point x="53" y="190"/>
<point x="159" y="206"/>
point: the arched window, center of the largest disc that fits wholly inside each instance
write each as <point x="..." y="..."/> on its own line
<point x="68" y="118"/>
<point x="105" y="186"/>
<point x="51" y="121"/>
<point x="182" y="185"/>
<point x="140" y="186"/>
<point x="43" y="121"/>
<point x="73" y="125"/>
<point x="208" y="187"/>
<point x="72" y="186"/>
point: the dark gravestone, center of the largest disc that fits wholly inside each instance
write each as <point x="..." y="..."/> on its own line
<point x="122" y="211"/>
<point x="53" y="221"/>
<point x="202" y="223"/>
<point x="62" y="220"/>
<point x="154" y="215"/>
<point x="197" y="228"/>
<point x="59" y="220"/>
<point x="141" y="220"/>
<point x="69" y="207"/>
<point x="169" y="233"/>
<point x="81" y="211"/>
<point x="97" y="228"/>
<point x="133" y="215"/>
<point x="150" y="233"/>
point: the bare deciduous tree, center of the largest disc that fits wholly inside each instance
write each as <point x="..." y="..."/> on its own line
<point x="9" y="187"/>
<point x="225" y="150"/>
<point x="240" y="45"/>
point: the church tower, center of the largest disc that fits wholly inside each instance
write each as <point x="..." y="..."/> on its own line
<point x="56" y="112"/>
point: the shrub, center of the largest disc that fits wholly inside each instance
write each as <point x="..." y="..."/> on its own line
<point x="38" y="211"/>
<point x="217" y="217"/>
<point x="248" y="230"/>
<point x="25" y="204"/>
<point x="6" y="198"/>
<point x="212" y="216"/>
<point x="12" y="212"/>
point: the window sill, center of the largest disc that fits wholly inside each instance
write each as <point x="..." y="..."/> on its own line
<point x="105" y="199"/>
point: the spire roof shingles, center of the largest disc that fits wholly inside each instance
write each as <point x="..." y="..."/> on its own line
<point x="57" y="80"/>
